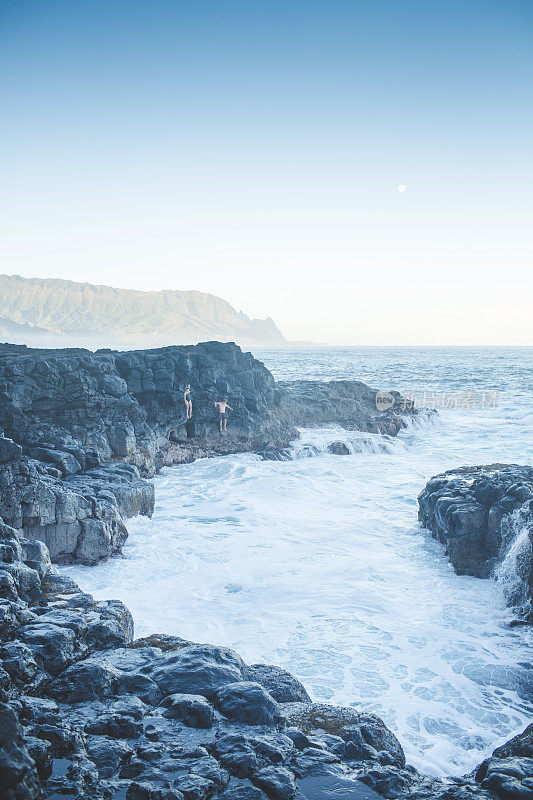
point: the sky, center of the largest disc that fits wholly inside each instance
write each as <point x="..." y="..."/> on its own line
<point x="254" y="150"/>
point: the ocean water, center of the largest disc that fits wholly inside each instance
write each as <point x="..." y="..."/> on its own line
<point x="318" y="564"/>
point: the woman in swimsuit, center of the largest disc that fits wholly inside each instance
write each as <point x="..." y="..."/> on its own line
<point x="188" y="400"/>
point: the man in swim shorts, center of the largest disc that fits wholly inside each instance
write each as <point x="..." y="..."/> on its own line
<point x="222" y="406"/>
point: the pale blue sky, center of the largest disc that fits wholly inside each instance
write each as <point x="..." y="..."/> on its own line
<point x="254" y="150"/>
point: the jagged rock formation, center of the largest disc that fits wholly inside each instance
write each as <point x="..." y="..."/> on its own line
<point x="350" y="404"/>
<point x="58" y="313"/>
<point x="484" y="517"/>
<point x="87" y="711"/>
<point x="81" y="430"/>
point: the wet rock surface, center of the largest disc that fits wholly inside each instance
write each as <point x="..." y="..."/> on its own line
<point x="80" y="432"/>
<point x="88" y="712"/>
<point x="350" y="404"/>
<point x="484" y="517"/>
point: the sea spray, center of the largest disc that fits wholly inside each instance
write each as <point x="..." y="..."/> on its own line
<point x="317" y="442"/>
<point x="514" y="571"/>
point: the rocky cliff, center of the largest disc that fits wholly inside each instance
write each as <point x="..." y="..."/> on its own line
<point x="80" y="431"/>
<point x="87" y="711"/>
<point x="484" y="517"/>
<point x="57" y="313"/>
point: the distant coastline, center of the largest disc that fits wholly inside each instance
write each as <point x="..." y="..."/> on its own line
<point x="59" y="313"/>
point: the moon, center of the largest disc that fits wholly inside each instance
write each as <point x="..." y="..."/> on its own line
<point x="402" y="187"/>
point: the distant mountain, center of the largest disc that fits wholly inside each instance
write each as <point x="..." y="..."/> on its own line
<point x="50" y="312"/>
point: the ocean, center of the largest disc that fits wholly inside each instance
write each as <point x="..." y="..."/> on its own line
<point x="318" y="564"/>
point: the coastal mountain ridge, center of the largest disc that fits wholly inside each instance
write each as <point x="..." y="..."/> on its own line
<point x="58" y="313"/>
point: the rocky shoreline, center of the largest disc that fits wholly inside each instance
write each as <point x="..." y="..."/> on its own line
<point x="80" y="431"/>
<point x="87" y="711"/>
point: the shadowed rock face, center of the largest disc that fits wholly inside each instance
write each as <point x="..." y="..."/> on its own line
<point x="477" y="512"/>
<point x="87" y="711"/>
<point x="350" y="404"/>
<point x="81" y="430"/>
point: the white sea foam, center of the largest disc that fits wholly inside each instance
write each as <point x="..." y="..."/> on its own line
<point x="319" y="565"/>
<point x="317" y="442"/>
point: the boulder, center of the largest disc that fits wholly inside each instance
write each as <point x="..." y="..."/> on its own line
<point x="193" y="710"/>
<point x="197" y="669"/>
<point x="338" y="448"/>
<point x="248" y="702"/>
<point x="277" y="782"/>
<point x="86" y="680"/>
<point x="279" y="683"/>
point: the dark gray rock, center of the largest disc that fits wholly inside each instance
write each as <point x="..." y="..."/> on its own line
<point x="248" y="702"/>
<point x="508" y="773"/>
<point x="64" y="739"/>
<point x="197" y="669"/>
<point x="87" y="680"/>
<point x="108" y="755"/>
<point x="144" y="790"/>
<point x="242" y="791"/>
<point x="338" y="448"/>
<point x="277" y="782"/>
<point x="18" y="772"/>
<point x="237" y="754"/>
<point x="41" y="752"/>
<point x="116" y="726"/>
<point x="386" y="781"/>
<point x="17" y="660"/>
<point x="279" y="683"/>
<point x="193" y="710"/>
<point x="141" y="686"/>
<point x="520" y="745"/>
<point x="365" y="736"/>
<point x="311" y="760"/>
<point x="477" y="513"/>
<point x="195" y="787"/>
<point x="350" y="404"/>
<point x="510" y="778"/>
<point x="54" y="647"/>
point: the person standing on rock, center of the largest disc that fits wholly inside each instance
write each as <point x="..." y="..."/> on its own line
<point x="222" y="406"/>
<point x="188" y="400"/>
